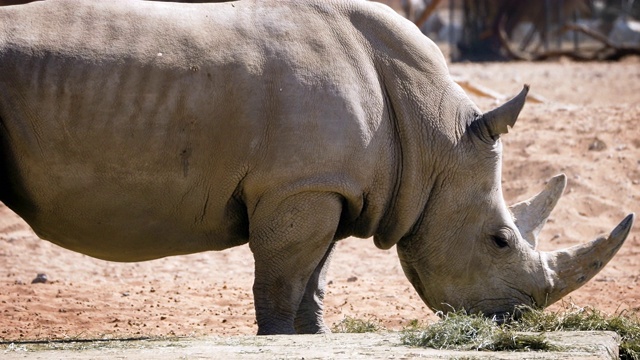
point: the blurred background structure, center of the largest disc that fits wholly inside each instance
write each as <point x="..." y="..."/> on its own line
<point x="491" y="30"/>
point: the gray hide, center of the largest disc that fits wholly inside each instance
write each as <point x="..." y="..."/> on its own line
<point x="134" y="130"/>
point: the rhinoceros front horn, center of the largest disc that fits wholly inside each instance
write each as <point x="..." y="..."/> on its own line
<point x="571" y="268"/>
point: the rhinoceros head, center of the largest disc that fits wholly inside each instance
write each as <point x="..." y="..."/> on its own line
<point x="470" y="251"/>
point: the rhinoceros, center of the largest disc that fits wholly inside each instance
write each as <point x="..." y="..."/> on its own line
<point x="135" y="130"/>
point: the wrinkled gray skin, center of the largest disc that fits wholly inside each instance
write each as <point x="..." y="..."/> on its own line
<point x="138" y="130"/>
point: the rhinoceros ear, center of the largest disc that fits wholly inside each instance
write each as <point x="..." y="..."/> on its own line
<point x="531" y="215"/>
<point x="499" y="120"/>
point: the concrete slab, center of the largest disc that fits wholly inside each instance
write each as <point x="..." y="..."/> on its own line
<point x="575" y="345"/>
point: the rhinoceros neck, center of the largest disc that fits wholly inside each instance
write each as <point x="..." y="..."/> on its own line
<point x="424" y="143"/>
<point x="427" y="110"/>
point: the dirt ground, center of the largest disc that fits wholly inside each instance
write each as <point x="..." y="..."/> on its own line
<point x="587" y="128"/>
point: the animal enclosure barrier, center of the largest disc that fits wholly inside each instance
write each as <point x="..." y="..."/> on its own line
<point x="490" y="30"/>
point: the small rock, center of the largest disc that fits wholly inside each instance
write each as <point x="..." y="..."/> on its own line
<point x="40" y="279"/>
<point x="597" y="145"/>
<point x="352" y="279"/>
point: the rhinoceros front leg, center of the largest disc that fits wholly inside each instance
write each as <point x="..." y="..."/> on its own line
<point x="309" y="319"/>
<point x="289" y="240"/>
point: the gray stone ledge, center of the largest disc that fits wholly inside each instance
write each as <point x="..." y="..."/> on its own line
<point x="575" y="345"/>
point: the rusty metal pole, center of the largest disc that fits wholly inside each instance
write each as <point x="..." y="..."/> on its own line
<point x="452" y="39"/>
<point x="547" y="24"/>
<point x="576" y="39"/>
<point x="559" y="23"/>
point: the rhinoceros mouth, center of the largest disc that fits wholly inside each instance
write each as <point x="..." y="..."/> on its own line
<point x="500" y="309"/>
<point x="504" y="317"/>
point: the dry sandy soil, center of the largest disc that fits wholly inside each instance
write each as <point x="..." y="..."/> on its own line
<point x="210" y="293"/>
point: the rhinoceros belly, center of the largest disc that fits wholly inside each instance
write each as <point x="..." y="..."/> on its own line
<point x="132" y="218"/>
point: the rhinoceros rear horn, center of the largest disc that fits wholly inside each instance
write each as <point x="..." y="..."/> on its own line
<point x="499" y="120"/>
<point x="531" y="215"/>
<point x="571" y="268"/>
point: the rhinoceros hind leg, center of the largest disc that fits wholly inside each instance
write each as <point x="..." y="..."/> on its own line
<point x="309" y="319"/>
<point x="289" y="239"/>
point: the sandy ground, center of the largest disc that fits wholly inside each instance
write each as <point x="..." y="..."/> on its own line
<point x="210" y="293"/>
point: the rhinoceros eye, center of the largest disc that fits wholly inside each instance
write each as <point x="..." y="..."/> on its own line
<point x="503" y="237"/>
<point x="500" y="240"/>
